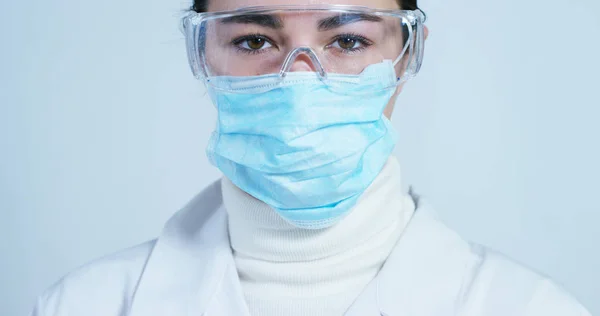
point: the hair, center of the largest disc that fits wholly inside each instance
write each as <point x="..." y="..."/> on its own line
<point x="202" y="5"/>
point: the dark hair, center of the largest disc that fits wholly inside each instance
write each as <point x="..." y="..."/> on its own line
<point x="202" y="5"/>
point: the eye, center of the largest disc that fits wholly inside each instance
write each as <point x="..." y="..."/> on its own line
<point x="350" y="42"/>
<point x="252" y="43"/>
<point x="347" y="43"/>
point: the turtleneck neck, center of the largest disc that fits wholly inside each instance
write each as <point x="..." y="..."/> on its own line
<point x="285" y="270"/>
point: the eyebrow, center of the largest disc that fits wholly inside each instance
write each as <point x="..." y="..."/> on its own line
<point x="275" y="22"/>
<point x="267" y="20"/>
<point x="346" y="18"/>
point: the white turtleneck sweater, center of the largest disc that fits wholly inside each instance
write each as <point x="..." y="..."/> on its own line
<point x="290" y="271"/>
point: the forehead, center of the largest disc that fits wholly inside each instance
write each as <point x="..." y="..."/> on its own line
<point x="223" y="5"/>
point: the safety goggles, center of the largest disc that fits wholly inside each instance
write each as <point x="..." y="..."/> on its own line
<point x="331" y="41"/>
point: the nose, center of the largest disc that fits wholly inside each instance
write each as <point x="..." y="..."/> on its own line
<point x="302" y="59"/>
<point x="302" y="63"/>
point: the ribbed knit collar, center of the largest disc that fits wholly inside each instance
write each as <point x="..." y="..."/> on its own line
<point x="257" y="231"/>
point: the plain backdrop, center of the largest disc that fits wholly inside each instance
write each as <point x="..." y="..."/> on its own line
<point x="103" y="130"/>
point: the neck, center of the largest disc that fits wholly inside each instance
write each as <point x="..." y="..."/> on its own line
<point x="290" y="265"/>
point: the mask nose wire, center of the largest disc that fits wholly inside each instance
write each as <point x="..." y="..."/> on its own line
<point x="291" y="57"/>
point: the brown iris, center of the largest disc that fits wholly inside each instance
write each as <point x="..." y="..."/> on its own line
<point x="256" y="43"/>
<point x="347" y="42"/>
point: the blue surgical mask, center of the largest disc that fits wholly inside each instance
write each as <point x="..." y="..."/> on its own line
<point x="304" y="149"/>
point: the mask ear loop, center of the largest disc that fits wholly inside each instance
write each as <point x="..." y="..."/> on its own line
<point x="291" y="57"/>
<point x="409" y="42"/>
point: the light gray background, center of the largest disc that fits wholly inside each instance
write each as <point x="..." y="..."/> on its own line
<point x="103" y="129"/>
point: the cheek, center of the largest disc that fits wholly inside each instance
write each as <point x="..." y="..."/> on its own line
<point x="389" y="109"/>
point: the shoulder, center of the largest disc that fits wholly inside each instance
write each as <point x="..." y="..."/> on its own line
<point x="101" y="287"/>
<point x="106" y="286"/>
<point x="491" y="283"/>
<point x="502" y="286"/>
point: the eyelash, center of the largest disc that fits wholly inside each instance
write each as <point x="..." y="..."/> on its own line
<point x="237" y="41"/>
<point x="359" y="38"/>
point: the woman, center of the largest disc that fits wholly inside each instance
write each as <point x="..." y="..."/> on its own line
<point x="310" y="218"/>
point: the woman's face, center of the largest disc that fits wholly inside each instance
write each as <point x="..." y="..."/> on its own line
<point x="295" y="27"/>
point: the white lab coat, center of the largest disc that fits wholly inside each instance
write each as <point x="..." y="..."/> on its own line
<point x="189" y="270"/>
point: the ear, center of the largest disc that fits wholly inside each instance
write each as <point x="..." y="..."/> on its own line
<point x="426" y="30"/>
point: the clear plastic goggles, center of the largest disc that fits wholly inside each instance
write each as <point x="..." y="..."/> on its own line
<point x="328" y="40"/>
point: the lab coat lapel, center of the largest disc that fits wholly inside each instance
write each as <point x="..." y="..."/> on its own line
<point x="191" y="269"/>
<point x="429" y="264"/>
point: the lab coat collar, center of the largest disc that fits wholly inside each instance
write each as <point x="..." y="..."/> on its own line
<point x="189" y="262"/>
<point x="191" y="270"/>
<point x="430" y="263"/>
